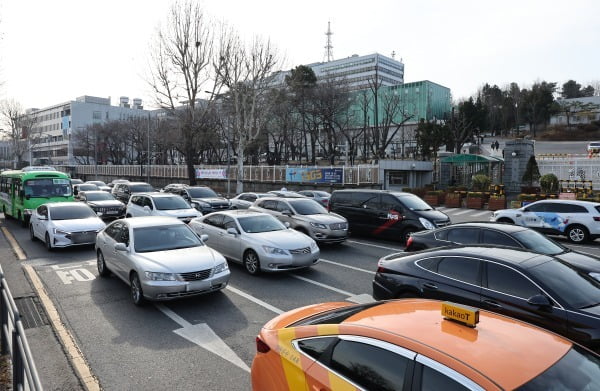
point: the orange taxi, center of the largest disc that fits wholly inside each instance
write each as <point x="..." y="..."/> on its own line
<point x="415" y="344"/>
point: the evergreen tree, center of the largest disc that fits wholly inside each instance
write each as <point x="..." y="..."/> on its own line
<point x="532" y="172"/>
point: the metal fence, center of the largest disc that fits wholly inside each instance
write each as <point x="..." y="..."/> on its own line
<point x="353" y="175"/>
<point x="571" y="167"/>
<point x="14" y="342"/>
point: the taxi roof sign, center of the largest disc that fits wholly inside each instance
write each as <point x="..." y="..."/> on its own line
<point x="466" y="315"/>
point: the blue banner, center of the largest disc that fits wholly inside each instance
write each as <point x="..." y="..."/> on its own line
<point x="314" y="175"/>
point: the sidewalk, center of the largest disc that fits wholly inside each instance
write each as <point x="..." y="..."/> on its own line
<point x="53" y="367"/>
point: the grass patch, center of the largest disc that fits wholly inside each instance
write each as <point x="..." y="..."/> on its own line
<point x="5" y="373"/>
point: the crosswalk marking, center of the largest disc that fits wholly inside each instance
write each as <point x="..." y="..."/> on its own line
<point x="485" y="212"/>
<point x="462" y="212"/>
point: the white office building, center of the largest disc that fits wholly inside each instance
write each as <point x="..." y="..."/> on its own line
<point x="57" y="123"/>
<point x="358" y="71"/>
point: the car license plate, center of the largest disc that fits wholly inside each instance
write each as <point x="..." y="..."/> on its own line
<point x="198" y="285"/>
<point x="111" y="212"/>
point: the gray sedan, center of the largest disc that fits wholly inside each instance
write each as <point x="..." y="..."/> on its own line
<point x="307" y="216"/>
<point x="257" y="240"/>
<point x="160" y="258"/>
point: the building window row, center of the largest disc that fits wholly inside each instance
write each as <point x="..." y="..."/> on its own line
<point x="391" y="64"/>
<point x="348" y="65"/>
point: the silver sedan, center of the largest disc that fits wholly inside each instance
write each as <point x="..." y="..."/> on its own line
<point x="160" y="258"/>
<point x="257" y="240"/>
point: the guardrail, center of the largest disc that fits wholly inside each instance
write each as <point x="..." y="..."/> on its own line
<point x="14" y="342"/>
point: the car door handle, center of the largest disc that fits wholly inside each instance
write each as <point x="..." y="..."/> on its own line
<point x="430" y="285"/>
<point x="493" y="304"/>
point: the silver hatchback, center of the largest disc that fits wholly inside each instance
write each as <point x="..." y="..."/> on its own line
<point x="307" y="216"/>
<point x="160" y="258"/>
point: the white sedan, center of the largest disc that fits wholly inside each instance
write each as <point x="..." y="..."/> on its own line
<point x="63" y="224"/>
<point x="257" y="240"/>
<point x="160" y="258"/>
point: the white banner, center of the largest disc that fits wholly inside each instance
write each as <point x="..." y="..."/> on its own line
<point x="211" y="173"/>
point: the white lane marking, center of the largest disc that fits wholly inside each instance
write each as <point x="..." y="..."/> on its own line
<point x="374" y="245"/>
<point x="485" y="212"/>
<point x="73" y="265"/>
<point x="254" y="299"/>
<point x="202" y="335"/>
<point x="346" y="293"/>
<point x="347" y="266"/>
<point x="462" y="212"/>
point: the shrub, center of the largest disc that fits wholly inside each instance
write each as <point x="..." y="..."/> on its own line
<point x="435" y="192"/>
<point x="527" y="197"/>
<point x="481" y="182"/>
<point x="475" y="194"/>
<point x="549" y="183"/>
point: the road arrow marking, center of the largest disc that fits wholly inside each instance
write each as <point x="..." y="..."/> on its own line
<point x="202" y="335"/>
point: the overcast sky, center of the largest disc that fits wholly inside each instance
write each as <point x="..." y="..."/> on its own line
<point x="55" y="51"/>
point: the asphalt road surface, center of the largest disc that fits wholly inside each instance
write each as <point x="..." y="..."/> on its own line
<point x="206" y="342"/>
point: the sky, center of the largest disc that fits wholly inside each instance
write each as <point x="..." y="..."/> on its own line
<point x="54" y="51"/>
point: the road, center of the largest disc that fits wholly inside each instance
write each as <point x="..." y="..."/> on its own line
<point x="205" y="342"/>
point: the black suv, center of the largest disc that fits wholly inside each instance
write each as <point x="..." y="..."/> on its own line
<point x="203" y="198"/>
<point x="386" y="214"/>
<point x="122" y="191"/>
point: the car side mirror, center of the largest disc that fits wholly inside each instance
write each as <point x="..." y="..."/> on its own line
<point x="525" y="209"/>
<point x="204" y="237"/>
<point x="42" y="217"/>
<point x="287" y="224"/>
<point x="287" y="212"/>
<point x="540" y="301"/>
<point x="99" y="214"/>
<point x="120" y="247"/>
<point x="147" y="208"/>
<point x="232" y="231"/>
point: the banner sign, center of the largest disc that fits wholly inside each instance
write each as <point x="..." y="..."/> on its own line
<point x="211" y="173"/>
<point x="314" y="175"/>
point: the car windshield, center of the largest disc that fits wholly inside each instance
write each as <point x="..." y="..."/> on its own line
<point x="307" y="207"/>
<point x="71" y="212"/>
<point x="561" y="278"/>
<point x="164" y="237"/>
<point x="170" y="203"/>
<point x="201" y="192"/>
<point x="576" y="370"/>
<point x="141" y="188"/>
<point x="257" y="224"/>
<point x="322" y="194"/>
<point x="97" y="183"/>
<point x="414" y="203"/>
<point x="100" y="196"/>
<point x="536" y="241"/>
<point x="48" y="187"/>
<point x="87" y="186"/>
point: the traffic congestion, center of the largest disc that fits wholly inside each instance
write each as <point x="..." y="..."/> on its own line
<point x="359" y="289"/>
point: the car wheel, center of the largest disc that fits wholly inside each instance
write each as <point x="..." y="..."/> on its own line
<point x="505" y="220"/>
<point x="578" y="234"/>
<point x="47" y="242"/>
<point x="406" y="234"/>
<point x="251" y="262"/>
<point x="22" y="220"/>
<point x="102" y="269"/>
<point x="31" y="234"/>
<point x="127" y="215"/>
<point x="137" y="295"/>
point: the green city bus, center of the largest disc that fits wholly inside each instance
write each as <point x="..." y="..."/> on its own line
<point x="21" y="191"/>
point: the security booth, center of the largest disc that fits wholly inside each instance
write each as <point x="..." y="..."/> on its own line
<point x="458" y="170"/>
<point x="403" y="174"/>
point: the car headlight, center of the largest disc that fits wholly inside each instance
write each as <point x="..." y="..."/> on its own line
<point x="426" y="223"/>
<point x="157" y="276"/>
<point x="595" y="275"/>
<point x="313" y="246"/>
<point x="221" y="268"/>
<point x="60" y="232"/>
<point x="318" y="225"/>
<point x="274" y="250"/>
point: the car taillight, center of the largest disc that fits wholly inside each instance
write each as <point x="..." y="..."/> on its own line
<point x="596" y="218"/>
<point x="409" y="242"/>
<point x="381" y="269"/>
<point x="261" y="347"/>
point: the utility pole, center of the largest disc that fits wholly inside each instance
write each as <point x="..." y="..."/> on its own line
<point x="148" y="153"/>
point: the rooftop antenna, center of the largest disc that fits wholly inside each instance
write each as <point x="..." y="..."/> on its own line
<point x="329" y="46"/>
<point x="393" y="54"/>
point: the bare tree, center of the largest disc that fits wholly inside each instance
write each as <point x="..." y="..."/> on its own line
<point x="181" y="71"/>
<point x="19" y="129"/>
<point x="245" y="70"/>
<point x="395" y="112"/>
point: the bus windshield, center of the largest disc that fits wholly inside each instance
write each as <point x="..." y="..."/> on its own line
<point x="47" y="188"/>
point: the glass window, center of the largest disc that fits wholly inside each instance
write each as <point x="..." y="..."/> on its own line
<point x="343" y="198"/>
<point x="170" y="203"/>
<point x="164" y="237"/>
<point x="429" y="263"/>
<point x="359" y="198"/>
<point x="315" y="347"/>
<point x="432" y="380"/>
<point x="498" y="238"/>
<point x="202" y="192"/>
<point x="264" y="223"/>
<point x="141" y="188"/>
<point x="577" y="370"/>
<point x="464" y="235"/>
<point x="283" y="207"/>
<point x="538" y="242"/>
<point x="307" y="207"/>
<point x="413" y="202"/>
<point x="462" y="269"/>
<point x="214" y="219"/>
<point x="503" y="279"/>
<point x="114" y="229"/>
<point x="268" y="204"/>
<point x="71" y="212"/>
<point x="370" y="367"/>
<point x="389" y="202"/>
<point x="229" y="222"/>
<point x="538" y="207"/>
<point x="99" y="196"/>
<point x="561" y="278"/>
